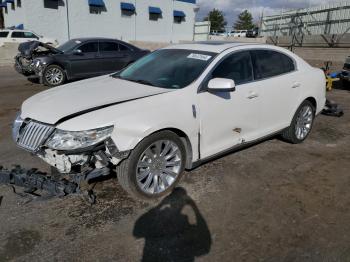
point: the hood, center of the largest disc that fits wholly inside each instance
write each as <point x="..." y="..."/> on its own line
<point x="26" y="49"/>
<point x="62" y="102"/>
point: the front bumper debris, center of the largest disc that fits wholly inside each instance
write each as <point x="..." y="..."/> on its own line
<point x="332" y="109"/>
<point x="33" y="180"/>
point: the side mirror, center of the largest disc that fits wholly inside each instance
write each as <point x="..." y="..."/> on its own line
<point x="221" y="85"/>
<point x="77" y="52"/>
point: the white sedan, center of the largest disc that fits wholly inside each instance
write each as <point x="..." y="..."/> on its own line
<point x="172" y="110"/>
<point x="21" y="36"/>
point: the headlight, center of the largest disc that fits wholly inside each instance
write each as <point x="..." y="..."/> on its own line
<point x="16" y="126"/>
<point x="37" y="63"/>
<point x="71" y="140"/>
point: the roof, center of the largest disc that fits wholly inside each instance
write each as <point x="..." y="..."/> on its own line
<point x="83" y="39"/>
<point x="210" y="46"/>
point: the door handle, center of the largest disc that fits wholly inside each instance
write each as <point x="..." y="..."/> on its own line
<point x="252" y="95"/>
<point x="296" y="85"/>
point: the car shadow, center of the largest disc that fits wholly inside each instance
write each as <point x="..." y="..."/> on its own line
<point x="170" y="232"/>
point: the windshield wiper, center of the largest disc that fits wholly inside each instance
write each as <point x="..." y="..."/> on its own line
<point x="140" y="81"/>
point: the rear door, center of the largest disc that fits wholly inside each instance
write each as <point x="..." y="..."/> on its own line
<point x="277" y="78"/>
<point x="111" y="58"/>
<point x="85" y="64"/>
<point x="127" y="55"/>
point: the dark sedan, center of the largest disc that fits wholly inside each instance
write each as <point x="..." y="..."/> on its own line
<point x="76" y="59"/>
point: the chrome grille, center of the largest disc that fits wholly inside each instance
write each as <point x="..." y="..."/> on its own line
<point x="32" y="135"/>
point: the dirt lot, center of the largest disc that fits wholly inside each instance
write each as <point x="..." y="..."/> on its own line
<point x="271" y="202"/>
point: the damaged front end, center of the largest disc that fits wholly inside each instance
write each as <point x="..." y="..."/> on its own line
<point x="78" y="156"/>
<point x="28" y="61"/>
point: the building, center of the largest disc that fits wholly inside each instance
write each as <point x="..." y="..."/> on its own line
<point x="128" y="20"/>
<point x="324" y="20"/>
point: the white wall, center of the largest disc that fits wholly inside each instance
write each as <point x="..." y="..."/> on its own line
<point x="52" y="21"/>
<point x="185" y="30"/>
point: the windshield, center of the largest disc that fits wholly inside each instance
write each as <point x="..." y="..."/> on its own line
<point x="69" y="45"/>
<point x="168" y="68"/>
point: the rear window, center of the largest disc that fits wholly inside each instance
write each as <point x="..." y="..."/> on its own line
<point x="123" y="48"/>
<point x="268" y="63"/>
<point x="109" y="47"/>
<point x="4" y="34"/>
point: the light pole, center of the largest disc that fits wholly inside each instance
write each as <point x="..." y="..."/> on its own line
<point x="68" y="27"/>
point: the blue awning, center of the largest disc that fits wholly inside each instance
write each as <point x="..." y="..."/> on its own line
<point x="127" y="6"/>
<point x="154" y="10"/>
<point x="20" y="27"/>
<point x="3" y="5"/>
<point x="10" y="1"/>
<point x="96" y="3"/>
<point x="179" y="13"/>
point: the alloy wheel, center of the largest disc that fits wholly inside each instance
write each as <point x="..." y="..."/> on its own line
<point x="158" y="167"/>
<point x="304" y="122"/>
<point x="54" y="76"/>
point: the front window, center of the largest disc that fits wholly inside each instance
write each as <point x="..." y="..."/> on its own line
<point x="29" y="35"/>
<point x="91" y="47"/>
<point x="237" y="67"/>
<point x="69" y="45"/>
<point x="168" y="68"/>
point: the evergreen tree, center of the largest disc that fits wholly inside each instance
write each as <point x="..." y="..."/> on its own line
<point x="245" y="21"/>
<point x="217" y="20"/>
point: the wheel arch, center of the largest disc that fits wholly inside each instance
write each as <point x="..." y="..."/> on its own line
<point x="312" y="100"/>
<point x="184" y="138"/>
<point x="56" y="63"/>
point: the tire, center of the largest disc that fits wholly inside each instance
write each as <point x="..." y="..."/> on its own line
<point x="129" y="171"/>
<point x="54" y="75"/>
<point x="290" y="134"/>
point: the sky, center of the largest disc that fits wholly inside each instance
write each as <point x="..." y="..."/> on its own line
<point x="232" y="8"/>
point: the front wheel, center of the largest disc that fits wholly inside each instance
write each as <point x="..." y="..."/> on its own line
<point x="301" y="124"/>
<point x="154" y="167"/>
<point x="54" y="76"/>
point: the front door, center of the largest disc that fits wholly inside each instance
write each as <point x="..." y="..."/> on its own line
<point x="230" y="118"/>
<point x="84" y="64"/>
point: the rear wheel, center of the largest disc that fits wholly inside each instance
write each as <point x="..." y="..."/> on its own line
<point x="54" y="76"/>
<point x="154" y="167"/>
<point x="301" y="124"/>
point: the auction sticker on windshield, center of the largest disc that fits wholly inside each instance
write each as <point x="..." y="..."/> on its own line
<point x="199" y="56"/>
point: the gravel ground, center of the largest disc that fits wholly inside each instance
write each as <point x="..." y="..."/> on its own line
<point x="271" y="202"/>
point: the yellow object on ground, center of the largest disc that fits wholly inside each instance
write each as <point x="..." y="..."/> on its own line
<point x="330" y="81"/>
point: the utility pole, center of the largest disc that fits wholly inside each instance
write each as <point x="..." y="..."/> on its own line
<point x="68" y="26"/>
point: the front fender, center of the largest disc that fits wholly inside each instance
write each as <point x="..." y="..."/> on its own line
<point x="135" y="120"/>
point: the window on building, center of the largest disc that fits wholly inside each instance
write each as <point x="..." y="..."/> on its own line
<point x="179" y="19"/>
<point x="179" y="16"/>
<point x="268" y="63"/>
<point x="237" y="67"/>
<point x="155" y="13"/>
<point x="4" y="34"/>
<point x="91" y="47"/>
<point x="109" y="47"/>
